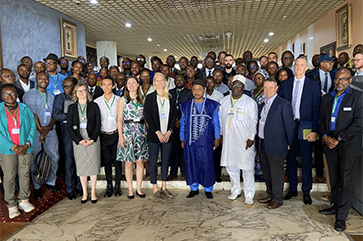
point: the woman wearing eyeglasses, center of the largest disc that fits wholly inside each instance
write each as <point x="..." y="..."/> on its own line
<point x="84" y="125"/>
<point x="17" y="134"/>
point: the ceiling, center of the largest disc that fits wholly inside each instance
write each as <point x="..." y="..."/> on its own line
<point x="193" y="27"/>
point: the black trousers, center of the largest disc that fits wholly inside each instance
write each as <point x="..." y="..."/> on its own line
<point x="318" y="158"/>
<point x="274" y="174"/>
<point x="177" y="156"/>
<point x="342" y="172"/>
<point x="108" y="155"/>
<point x="217" y="162"/>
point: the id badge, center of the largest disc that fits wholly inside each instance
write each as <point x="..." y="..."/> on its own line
<point x="110" y="118"/>
<point x="162" y="116"/>
<point x="136" y="119"/>
<point x="332" y="119"/>
<point x="83" y="125"/>
<point x="56" y="92"/>
<point x="230" y="115"/>
<point x="262" y="121"/>
<point x="47" y="113"/>
<point x="15" y="131"/>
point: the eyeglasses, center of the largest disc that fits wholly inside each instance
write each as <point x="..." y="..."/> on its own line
<point x="8" y="76"/>
<point x="6" y="95"/>
<point x="127" y="62"/>
<point x="356" y="60"/>
<point x="81" y="60"/>
<point x="145" y="75"/>
<point x="67" y="86"/>
<point x="252" y="66"/>
<point x="237" y="86"/>
<point x="64" y="62"/>
<point x="140" y="59"/>
<point x="345" y="79"/>
<point x="50" y="63"/>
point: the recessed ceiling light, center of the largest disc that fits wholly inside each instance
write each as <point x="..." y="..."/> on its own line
<point x="93" y="1"/>
<point x="165" y="50"/>
<point x="158" y="45"/>
<point x="265" y="40"/>
<point x="128" y="25"/>
<point x="149" y="39"/>
<point x="311" y="38"/>
<point x="271" y="33"/>
<point x="284" y="16"/>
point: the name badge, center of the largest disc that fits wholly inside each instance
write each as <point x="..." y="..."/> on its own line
<point x="136" y="119"/>
<point x="230" y="115"/>
<point x="56" y="92"/>
<point x="111" y="118"/>
<point x="262" y="121"/>
<point x="15" y="131"/>
<point x="347" y="109"/>
<point x="83" y="125"/>
<point x="162" y="116"/>
<point x="47" y="113"/>
<point x="332" y="119"/>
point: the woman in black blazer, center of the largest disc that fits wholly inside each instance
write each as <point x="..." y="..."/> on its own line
<point x="160" y="117"/>
<point x="84" y="125"/>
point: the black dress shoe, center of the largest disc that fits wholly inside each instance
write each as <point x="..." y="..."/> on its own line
<point x="71" y="195"/>
<point x="54" y="188"/>
<point x="289" y="195"/>
<point x="209" y="195"/>
<point x="83" y="201"/>
<point x="340" y="225"/>
<point x="118" y="191"/>
<point x="140" y="195"/>
<point x="38" y="193"/>
<point x="307" y="199"/>
<point x="108" y="191"/>
<point x="328" y="211"/>
<point x="131" y="196"/>
<point x="218" y="179"/>
<point x="192" y="194"/>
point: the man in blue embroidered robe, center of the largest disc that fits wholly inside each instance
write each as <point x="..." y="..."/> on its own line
<point x="199" y="133"/>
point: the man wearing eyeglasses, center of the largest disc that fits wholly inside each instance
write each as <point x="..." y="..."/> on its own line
<point x="126" y="66"/>
<point x="55" y="86"/>
<point x="238" y="120"/>
<point x="64" y="64"/>
<point x="287" y="60"/>
<point x="358" y="63"/>
<point x="7" y="77"/>
<point x="340" y="126"/>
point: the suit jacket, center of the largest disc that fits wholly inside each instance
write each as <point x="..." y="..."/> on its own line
<point x="348" y="124"/>
<point x="310" y="102"/>
<point x="279" y="128"/>
<point x="314" y="74"/>
<point x="184" y="95"/>
<point x="151" y="116"/>
<point x="18" y="84"/>
<point x="93" y="122"/>
<point x="201" y="74"/>
<point x="97" y="92"/>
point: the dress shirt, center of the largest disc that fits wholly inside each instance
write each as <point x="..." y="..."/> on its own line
<point x="264" y="114"/>
<point x="108" y="117"/>
<point x="335" y="107"/>
<point x="207" y="72"/>
<point x="299" y="94"/>
<point x="322" y="80"/>
<point x="164" y="109"/>
<point x="223" y="88"/>
<point x="357" y="73"/>
<point x="216" y="96"/>
<point x="26" y="87"/>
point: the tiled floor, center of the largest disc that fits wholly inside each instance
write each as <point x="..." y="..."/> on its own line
<point x="118" y="218"/>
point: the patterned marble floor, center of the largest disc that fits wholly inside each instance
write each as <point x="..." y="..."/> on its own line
<point x="118" y="218"/>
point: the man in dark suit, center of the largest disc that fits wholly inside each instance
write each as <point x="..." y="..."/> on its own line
<point x="304" y="95"/>
<point x="182" y="94"/>
<point x="276" y="132"/>
<point x="208" y="69"/>
<point x="24" y="82"/>
<point x="94" y="91"/>
<point x="340" y="126"/>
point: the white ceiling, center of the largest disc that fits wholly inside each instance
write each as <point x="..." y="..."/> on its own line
<point x="193" y="27"/>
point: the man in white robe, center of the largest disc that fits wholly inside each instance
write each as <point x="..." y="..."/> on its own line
<point x="238" y="120"/>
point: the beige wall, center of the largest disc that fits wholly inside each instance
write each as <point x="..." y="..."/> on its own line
<point x="324" y="30"/>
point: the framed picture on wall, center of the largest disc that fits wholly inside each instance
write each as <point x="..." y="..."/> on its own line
<point x="68" y="39"/>
<point x="329" y="49"/>
<point x="1" y="53"/>
<point x="342" y="27"/>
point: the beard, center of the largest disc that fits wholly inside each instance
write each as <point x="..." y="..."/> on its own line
<point x="228" y="66"/>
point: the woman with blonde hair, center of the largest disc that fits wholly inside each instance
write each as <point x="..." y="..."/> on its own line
<point x="160" y="116"/>
<point x="132" y="147"/>
<point x="84" y="125"/>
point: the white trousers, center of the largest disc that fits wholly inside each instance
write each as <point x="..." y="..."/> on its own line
<point x="248" y="182"/>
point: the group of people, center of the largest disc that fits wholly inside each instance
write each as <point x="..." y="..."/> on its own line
<point x="233" y="113"/>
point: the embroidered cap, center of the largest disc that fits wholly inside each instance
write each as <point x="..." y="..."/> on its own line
<point x="199" y="82"/>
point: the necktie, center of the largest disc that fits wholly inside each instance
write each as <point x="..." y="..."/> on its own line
<point x="325" y="88"/>
<point x="91" y="91"/>
<point x="209" y="72"/>
<point x="294" y="97"/>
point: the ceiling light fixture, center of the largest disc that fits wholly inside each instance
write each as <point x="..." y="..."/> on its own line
<point x="128" y="25"/>
<point x="158" y="45"/>
<point x="265" y="40"/>
<point x="149" y="39"/>
<point x="271" y="33"/>
<point x="165" y="50"/>
<point x="284" y="16"/>
<point x="93" y="1"/>
<point x="311" y="38"/>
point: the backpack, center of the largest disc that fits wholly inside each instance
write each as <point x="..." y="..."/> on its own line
<point x="42" y="167"/>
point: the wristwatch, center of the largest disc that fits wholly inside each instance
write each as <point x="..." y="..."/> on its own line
<point x="28" y="143"/>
